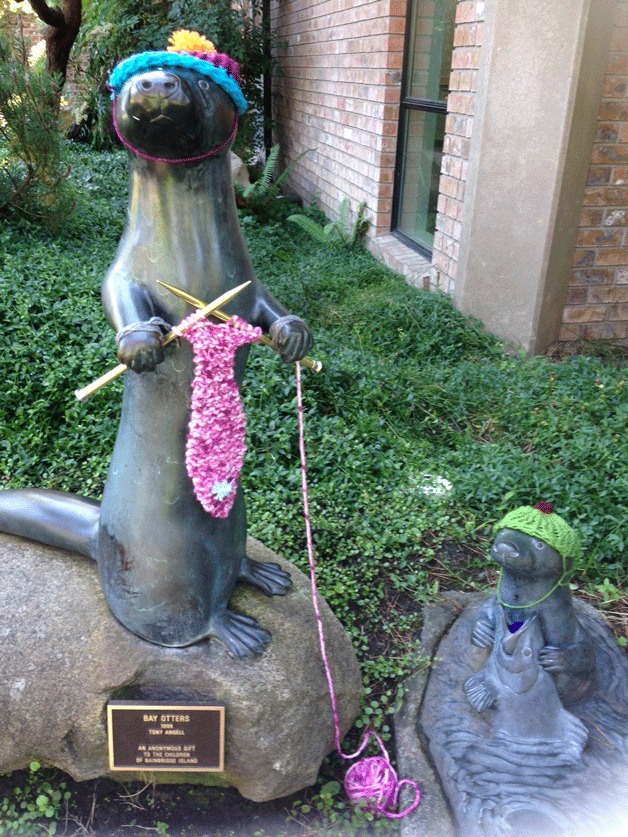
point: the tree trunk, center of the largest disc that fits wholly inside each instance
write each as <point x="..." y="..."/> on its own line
<point x="62" y="28"/>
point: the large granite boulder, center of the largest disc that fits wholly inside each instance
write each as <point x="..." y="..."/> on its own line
<point x="64" y="656"/>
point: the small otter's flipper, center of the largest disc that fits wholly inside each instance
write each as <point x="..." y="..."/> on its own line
<point x="483" y="635"/>
<point x="241" y="634"/>
<point x="265" y="575"/>
<point x="55" y="518"/>
<point x="478" y="692"/>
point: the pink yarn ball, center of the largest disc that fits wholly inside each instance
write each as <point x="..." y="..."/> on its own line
<point x="373" y="780"/>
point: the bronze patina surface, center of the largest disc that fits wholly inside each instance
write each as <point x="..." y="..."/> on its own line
<point x="167" y="567"/>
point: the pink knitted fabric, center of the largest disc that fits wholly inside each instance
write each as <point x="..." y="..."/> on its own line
<point x="216" y="443"/>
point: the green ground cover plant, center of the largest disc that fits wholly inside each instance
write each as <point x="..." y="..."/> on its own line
<point x="412" y="392"/>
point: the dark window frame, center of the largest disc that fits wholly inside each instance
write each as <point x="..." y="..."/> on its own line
<point x="408" y="103"/>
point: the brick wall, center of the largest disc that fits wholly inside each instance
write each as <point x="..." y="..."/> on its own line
<point x="597" y="304"/>
<point x="459" y="126"/>
<point x="339" y="94"/>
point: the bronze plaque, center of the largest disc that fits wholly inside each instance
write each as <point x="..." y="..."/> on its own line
<point x="163" y="736"/>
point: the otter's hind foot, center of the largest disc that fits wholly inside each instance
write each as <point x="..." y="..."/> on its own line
<point x="242" y="635"/>
<point x="265" y="575"/>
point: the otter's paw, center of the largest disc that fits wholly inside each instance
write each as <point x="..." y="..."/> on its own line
<point x="552" y="659"/>
<point x="141" y="351"/>
<point x="483" y="634"/>
<point x="265" y="575"/>
<point x="241" y="634"/>
<point x="291" y="338"/>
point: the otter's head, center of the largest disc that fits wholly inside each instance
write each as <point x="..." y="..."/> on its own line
<point x="174" y="114"/>
<point x="526" y="555"/>
<point x="536" y="542"/>
<point x="177" y="105"/>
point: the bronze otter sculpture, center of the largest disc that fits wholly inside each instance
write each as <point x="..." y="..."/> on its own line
<point x="167" y="567"/>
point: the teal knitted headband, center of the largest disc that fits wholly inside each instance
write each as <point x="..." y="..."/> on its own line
<point x="543" y="523"/>
<point x="203" y="59"/>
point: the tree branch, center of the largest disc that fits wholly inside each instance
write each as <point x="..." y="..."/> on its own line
<point x="52" y="16"/>
<point x="63" y="26"/>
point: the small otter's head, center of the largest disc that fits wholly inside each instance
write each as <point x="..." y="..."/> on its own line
<point x="535" y="542"/>
<point x="526" y="555"/>
<point x="179" y="105"/>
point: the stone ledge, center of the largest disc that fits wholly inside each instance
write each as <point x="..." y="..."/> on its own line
<point x="396" y="255"/>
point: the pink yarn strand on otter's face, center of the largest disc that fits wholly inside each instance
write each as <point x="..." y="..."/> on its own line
<point x="216" y="441"/>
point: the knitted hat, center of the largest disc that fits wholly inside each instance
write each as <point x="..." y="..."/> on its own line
<point x="543" y="523"/>
<point x="187" y="50"/>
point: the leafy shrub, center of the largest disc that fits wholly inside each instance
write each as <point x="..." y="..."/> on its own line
<point x="55" y="337"/>
<point x="33" y="159"/>
<point x="114" y="29"/>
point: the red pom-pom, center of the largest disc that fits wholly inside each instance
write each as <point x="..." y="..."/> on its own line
<point x="546" y="508"/>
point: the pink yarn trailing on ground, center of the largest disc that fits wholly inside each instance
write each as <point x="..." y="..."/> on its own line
<point x="214" y="455"/>
<point x="371" y="780"/>
<point x="216" y="441"/>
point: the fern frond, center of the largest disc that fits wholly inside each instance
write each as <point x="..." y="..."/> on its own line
<point x="333" y="233"/>
<point x="312" y="228"/>
<point x="359" y="226"/>
<point x="341" y="223"/>
<point x="285" y="174"/>
<point x="266" y="179"/>
<point x="262" y="185"/>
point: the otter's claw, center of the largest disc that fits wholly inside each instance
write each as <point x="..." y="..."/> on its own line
<point x="265" y="575"/>
<point x="483" y="634"/>
<point x="241" y="634"/>
<point x="141" y="351"/>
<point x="291" y="338"/>
<point x="552" y="659"/>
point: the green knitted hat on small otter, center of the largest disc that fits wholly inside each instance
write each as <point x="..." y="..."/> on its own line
<point x="543" y="523"/>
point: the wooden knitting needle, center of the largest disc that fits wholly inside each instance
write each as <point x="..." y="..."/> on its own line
<point x="310" y="363"/>
<point x="177" y="331"/>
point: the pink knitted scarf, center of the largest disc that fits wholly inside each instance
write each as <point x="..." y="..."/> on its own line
<point x="216" y="443"/>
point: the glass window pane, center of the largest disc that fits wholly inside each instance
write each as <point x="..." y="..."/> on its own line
<point x="422" y="155"/>
<point x="431" y="44"/>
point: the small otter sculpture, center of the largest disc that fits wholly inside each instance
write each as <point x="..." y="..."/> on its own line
<point x="526" y="709"/>
<point x="167" y="567"/>
<point x="536" y="550"/>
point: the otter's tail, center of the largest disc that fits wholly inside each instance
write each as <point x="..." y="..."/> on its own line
<point x="51" y="517"/>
